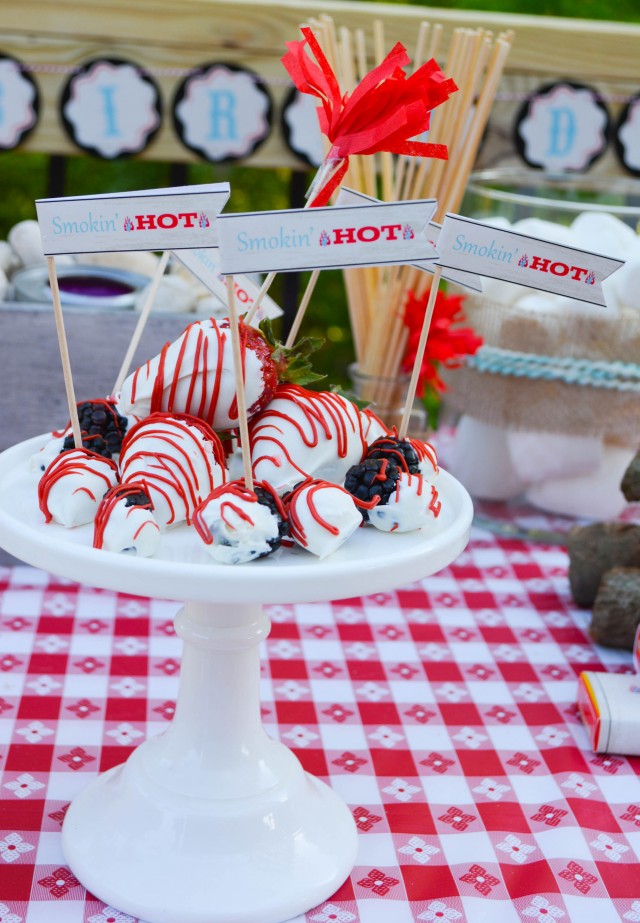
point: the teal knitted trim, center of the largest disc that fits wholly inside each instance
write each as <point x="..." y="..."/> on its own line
<point x="617" y="376"/>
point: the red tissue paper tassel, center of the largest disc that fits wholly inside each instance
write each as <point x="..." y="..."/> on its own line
<point x="385" y="112"/>
<point x="447" y="342"/>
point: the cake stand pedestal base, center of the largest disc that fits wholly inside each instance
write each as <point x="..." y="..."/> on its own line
<point x="212" y="821"/>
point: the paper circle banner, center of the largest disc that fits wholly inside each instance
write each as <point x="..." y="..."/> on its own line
<point x="222" y="112"/>
<point x="562" y="127"/>
<point x="628" y="136"/>
<point x="300" y="127"/>
<point x="111" y="108"/>
<point x="19" y="103"/>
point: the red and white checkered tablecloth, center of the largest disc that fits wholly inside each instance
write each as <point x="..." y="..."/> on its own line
<point x="443" y="713"/>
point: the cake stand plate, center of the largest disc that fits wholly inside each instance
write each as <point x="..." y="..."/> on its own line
<point x="213" y="821"/>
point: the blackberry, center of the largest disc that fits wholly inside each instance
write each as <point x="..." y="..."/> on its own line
<point x="135" y="494"/>
<point x="371" y="483"/>
<point x="101" y="427"/>
<point x="400" y="451"/>
<point x="268" y="498"/>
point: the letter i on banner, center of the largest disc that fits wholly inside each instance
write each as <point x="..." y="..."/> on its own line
<point x="236" y="346"/>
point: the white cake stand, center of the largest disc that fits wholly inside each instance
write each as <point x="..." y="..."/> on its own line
<point x="213" y="821"/>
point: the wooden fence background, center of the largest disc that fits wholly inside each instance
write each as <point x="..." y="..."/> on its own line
<point x="52" y="37"/>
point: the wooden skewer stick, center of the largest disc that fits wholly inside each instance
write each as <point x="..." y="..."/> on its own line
<point x="243" y="424"/>
<point x="64" y="353"/>
<point x="422" y="343"/>
<point x="302" y="307"/>
<point x="264" y="288"/>
<point x="142" y="321"/>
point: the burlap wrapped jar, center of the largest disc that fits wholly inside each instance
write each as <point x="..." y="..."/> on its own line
<point x="590" y="382"/>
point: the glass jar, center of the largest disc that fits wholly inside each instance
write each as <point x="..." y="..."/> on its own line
<point x="387" y="397"/>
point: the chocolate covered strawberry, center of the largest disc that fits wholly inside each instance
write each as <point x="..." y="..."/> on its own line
<point x="195" y="373"/>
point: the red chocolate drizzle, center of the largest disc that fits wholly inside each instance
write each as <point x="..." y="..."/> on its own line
<point x="235" y="490"/>
<point x="173" y="469"/>
<point x="200" y="390"/>
<point x="311" y="487"/>
<point x="324" y="412"/>
<point x="112" y="497"/>
<point x="67" y="464"/>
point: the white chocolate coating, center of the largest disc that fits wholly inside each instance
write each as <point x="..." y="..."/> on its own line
<point x="131" y="530"/>
<point x="235" y="527"/>
<point x="322" y="517"/>
<point x="73" y="485"/>
<point x="177" y="464"/>
<point x="413" y="505"/>
<point x="305" y="434"/>
<point x="194" y="375"/>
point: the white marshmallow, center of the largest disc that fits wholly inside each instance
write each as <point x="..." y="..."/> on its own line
<point x="141" y="262"/>
<point x="480" y="459"/>
<point x="546" y="230"/>
<point x="539" y="456"/>
<point x="596" y="495"/>
<point x="604" y="233"/>
<point x="8" y="258"/>
<point x="174" y="295"/>
<point x="625" y="283"/>
<point x="26" y="241"/>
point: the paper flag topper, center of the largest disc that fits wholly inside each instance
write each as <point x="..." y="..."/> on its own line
<point x="513" y="257"/>
<point x="153" y="219"/>
<point x="466" y="279"/>
<point x="325" y="238"/>
<point x="205" y="265"/>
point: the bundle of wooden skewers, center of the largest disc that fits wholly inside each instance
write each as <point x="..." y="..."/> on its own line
<point x="377" y="296"/>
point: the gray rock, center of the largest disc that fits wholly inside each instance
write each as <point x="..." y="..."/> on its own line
<point x="595" y="549"/>
<point x="616" y="610"/>
<point x="630" y="485"/>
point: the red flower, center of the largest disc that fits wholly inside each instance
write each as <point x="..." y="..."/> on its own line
<point x="4" y="705"/>
<point x="385" y="112"/>
<point x="350" y="762"/>
<point x="60" y="814"/>
<point x="378" y="882"/>
<point x="338" y="713"/>
<point x="59" y="883"/>
<point x="167" y="710"/>
<point x="549" y="815"/>
<point x="581" y="879"/>
<point x="420" y="714"/>
<point x="77" y="758"/>
<point x="365" y="819"/>
<point x="440" y="764"/>
<point x="481" y="880"/>
<point x="447" y="341"/>
<point x="457" y="818"/>
<point x="83" y="708"/>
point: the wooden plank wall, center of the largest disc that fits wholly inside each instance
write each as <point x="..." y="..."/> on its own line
<point x="169" y="37"/>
